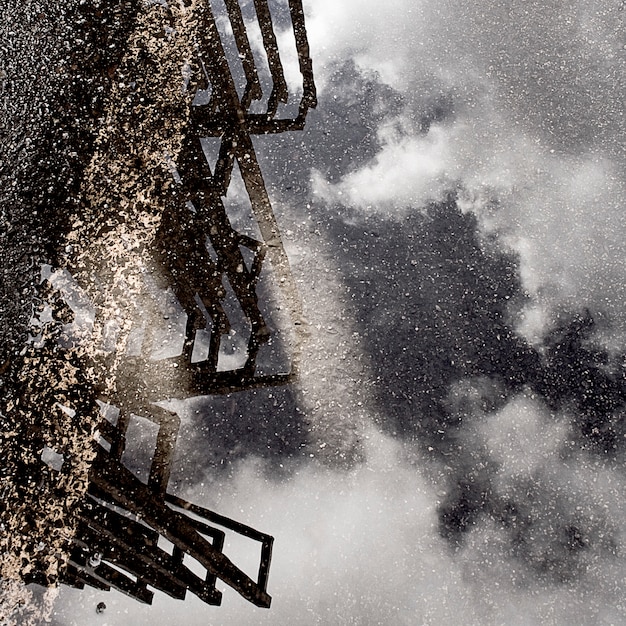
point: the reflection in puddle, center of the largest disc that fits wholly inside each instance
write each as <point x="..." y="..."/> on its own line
<point x="156" y="297"/>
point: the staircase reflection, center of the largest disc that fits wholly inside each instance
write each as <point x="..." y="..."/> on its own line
<point x="133" y="535"/>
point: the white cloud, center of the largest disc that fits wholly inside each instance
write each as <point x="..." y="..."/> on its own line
<point x="537" y="128"/>
<point x="361" y="547"/>
<point x="408" y="171"/>
<point x="521" y="438"/>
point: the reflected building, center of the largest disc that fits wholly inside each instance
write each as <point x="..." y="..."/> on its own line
<point x="126" y="322"/>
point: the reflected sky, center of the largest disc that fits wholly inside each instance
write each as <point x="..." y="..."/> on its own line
<point x="454" y="441"/>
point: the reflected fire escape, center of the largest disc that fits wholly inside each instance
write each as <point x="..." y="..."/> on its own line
<point x="135" y="536"/>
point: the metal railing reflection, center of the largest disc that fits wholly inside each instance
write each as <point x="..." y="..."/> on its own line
<point x="132" y="535"/>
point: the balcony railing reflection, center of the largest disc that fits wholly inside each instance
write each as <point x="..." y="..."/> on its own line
<point x="134" y="535"/>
